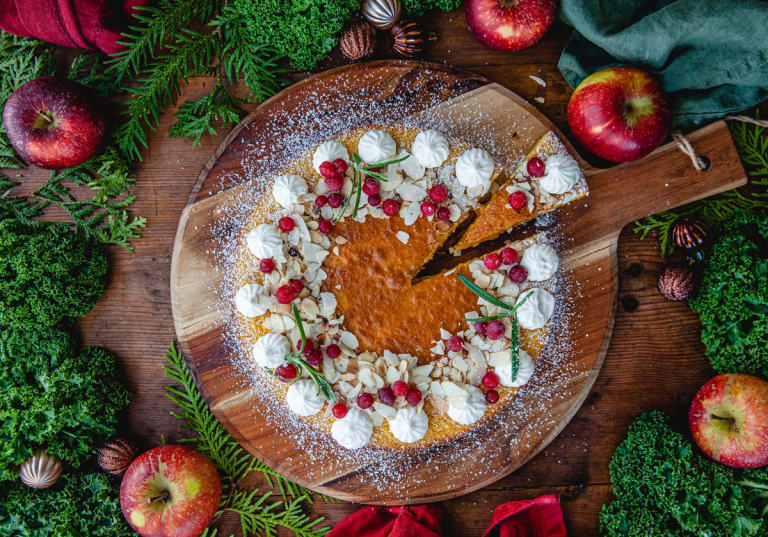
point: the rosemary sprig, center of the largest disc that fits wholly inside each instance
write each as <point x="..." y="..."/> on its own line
<point x="515" y="345"/>
<point x="323" y="386"/>
<point x="358" y="171"/>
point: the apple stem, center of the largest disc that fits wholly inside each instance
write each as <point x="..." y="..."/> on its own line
<point x="160" y="497"/>
<point x="44" y="119"/>
<point x="721" y="418"/>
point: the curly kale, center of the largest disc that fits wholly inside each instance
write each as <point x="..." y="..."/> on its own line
<point x="663" y="487"/>
<point x="733" y="299"/>
<point x="419" y="7"/>
<point x="54" y="399"/>
<point x="85" y="504"/>
<point x="47" y="272"/>
<point x="303" y="30"/>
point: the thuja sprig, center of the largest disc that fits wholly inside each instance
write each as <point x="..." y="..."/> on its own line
<point x="295" y="358"/>
<point x="358" y="171"/>
<point x="509" y="311"/>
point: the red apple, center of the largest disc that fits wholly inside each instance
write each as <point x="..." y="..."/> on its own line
<point x="170" y="491"/>
<point x="53" y="123"/>
<point x="619" y="114"/>
<point x="729" y="420"/>
<point x="509" y="25"/>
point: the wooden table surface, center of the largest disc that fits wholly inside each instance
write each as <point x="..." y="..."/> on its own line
<point x="655" y="360"/>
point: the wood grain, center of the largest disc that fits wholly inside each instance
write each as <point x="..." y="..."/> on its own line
<point x="651" y="336"/>
<point x="664" y="179"/>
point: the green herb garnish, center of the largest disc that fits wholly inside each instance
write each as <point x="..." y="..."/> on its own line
<point x="358" y="171"/>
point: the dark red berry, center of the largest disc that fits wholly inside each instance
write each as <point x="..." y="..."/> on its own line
<point x="494" y="330"/>
<point x="339" y="410"/>
<point x="535" y="167"/>
<point x="386" y="396"/>
<point x="490" y="381"/>
<point x="297" y="285"/>
<point x="365" y="400"/>
<point x="374" y="200"/>
<point x="492" y="261"/>
<point x="267" y="265"/>
<point x="324" y="226"/>
<point x="371" y="186"/>
<point x="438" y="193"/>
<point x="335" y="200"/>
<point x="517" y="200"/>
<point x="340" y="165"/>
<point x="333" y="351"/>
<point x="286" y="372"/>
<point x="518" y="274"/>
<point x="321" y="200"/>
<point x="428" y="208"/>
<point x="308" y="346"/>
<point x="443" y="214"/>
<point x="480" y="327"/>
<point x="456" y="343"/>
<point x="314" y="357"/>
<point x="286" y="224"/>
<point x="492" y="396"/>
<point x="400" y="388"/>
<point x="285" y="294"/>
<point x="413" y="396"/>
<point x="390" y="207"/>
<point x="335" y="182"/>
<point x="509" y="256"/>
<point x="380" y="169"/>
<point x="327" y="169"/>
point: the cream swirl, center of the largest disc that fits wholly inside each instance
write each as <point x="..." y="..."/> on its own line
<point x="474" y="169"/>
<point x="264" y="241"/>
<point x="354" y="430"/>
<point x="560" y="175"/>
<point x="430" y="148"/>
<point x="247" y="300"/>
<point x="537" y="308"/>
<point x="503" y="369"/>
<point x="270" y="350"/>
<point x="328" y="152"/>
<point x="288" y="189"/>
<point x="466" y="409"/>
<point x="303" y="399"/>
<point x="376" y="146"/>
<point x="541" y="261"/>
<point x="409" y="425"/>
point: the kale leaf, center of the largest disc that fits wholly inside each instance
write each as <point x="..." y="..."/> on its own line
<point x="733" y="299"/>
<point x="419" y="7"/>
<point x="663" y="487"/>
<point x="54" y="399"/>
<point x="47" y="272"/>
<point x="79" y="505"/>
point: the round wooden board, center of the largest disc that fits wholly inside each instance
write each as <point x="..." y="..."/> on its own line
<point x="589" y="231"/>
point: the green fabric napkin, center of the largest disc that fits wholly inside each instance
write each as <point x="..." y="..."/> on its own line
<point x="711" y="55"/>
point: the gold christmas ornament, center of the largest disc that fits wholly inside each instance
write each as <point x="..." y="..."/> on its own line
<point x="409" y="38"/>
<point x="115" y="456"/>
<point x="40" y="471"/>
<point x="358" y="41"/>
<point x="383" y="14"/>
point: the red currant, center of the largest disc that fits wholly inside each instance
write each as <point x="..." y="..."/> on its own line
<point x="335" y="182"/>
<point x="517" y="200"/>
<point x="438" y="193"/>
<point x="413" y="396"/>
<point x="390" y="207"/>
<point x="267" y="265"/>
<point x="490" y="381"/>
<point x="480" y="327"/>
<point x="335" y="200"/>
<point x="333" y="351"/>
<point x="428" y="208"/>
<point x="365" y="400"/>
<point x="285" y="294"/>
<point x="371" y="186"/>
<point x="321" y="200"/>
<point x="297" y="286"/>
<point x="327" y="169"/>
<point x="492" y="261"/>
<point x="308" y="346"/>
<point x="494" y="330"/>
<point x="374" y="201"/>
<point x="443" y="214"/>
<point x="386" y="396"/>
<point x="400" y="388"/>
<point x="339" y="410"/>
<point x="286" y="224"/>
<point x="340" y="165"/>
<point x="324" y="226"/>
<point x="518" y="274"/>
<point x="492" y="396"/>
<point x="535" y="167"/>
<point x="286" y="372"/>
<point x="509" y="256"/>
<point x="456" y="343"/>
<point x="314" y="357"/>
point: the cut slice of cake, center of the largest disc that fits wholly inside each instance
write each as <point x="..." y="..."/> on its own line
<point x="547" y="178"/>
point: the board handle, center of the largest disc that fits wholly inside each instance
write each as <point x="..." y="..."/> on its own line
<point x="663" y="180"/>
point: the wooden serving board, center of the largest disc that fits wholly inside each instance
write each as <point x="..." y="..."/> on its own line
<point x="590" y="227"/>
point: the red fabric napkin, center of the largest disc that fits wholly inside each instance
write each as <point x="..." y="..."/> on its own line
<point x="90" y="24"/>
<point x="541" y="517"/>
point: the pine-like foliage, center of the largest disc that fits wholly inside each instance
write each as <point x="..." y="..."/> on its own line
<point x="258" y="514"/>
<point x="752" y="144"/>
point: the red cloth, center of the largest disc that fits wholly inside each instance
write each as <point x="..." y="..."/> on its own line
<point x="541" y="517"/>
<point x="90" y="24"/>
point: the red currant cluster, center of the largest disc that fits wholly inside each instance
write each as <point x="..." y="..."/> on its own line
<point x="517" y="200"/>
<point x="386" y="396"/>
<point x="437" y="194"/>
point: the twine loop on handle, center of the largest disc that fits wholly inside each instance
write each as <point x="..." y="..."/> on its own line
<point x="702" y="163"/>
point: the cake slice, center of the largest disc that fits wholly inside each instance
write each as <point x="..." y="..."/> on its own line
<point x="558" y="183"/>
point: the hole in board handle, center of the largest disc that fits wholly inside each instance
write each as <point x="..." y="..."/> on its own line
<point x="707" y="163"/>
